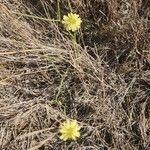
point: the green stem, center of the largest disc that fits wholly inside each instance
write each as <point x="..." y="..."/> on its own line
<point x="35" y="17"/>
<point x="58" y="10"/>
<point x="74" y="40"/>
<point x="74" y="37"/>
<point x="69" y="4"/>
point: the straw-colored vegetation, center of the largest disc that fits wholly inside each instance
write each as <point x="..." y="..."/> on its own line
<point x="98" y="75"/>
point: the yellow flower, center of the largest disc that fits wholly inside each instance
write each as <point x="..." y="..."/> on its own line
<point x="69" y="130"/>
<point x="72" y="22"/>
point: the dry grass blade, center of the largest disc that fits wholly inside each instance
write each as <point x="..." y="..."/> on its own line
<point x="33" y="133"/>
<point x="99" y="76"/>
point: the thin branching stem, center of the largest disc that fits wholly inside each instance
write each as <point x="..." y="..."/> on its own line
<point x="58" y="10"/>
<point x="69" y="4"/>
<point x="36" y="17"/>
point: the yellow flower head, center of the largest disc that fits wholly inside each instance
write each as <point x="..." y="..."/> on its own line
<point x="69" y="130"/>
<point x="72" y="22"/>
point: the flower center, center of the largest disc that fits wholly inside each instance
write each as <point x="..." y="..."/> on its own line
<point x="72" y="21"/>
<point x="70" y="132"/>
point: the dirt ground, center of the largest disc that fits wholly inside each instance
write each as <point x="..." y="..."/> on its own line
<point x="102" y="80"/>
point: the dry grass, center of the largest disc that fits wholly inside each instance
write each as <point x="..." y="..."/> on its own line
<point x="103" y="81"/>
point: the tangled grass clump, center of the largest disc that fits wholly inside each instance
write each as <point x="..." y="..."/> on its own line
<point x="98" y="75"/>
